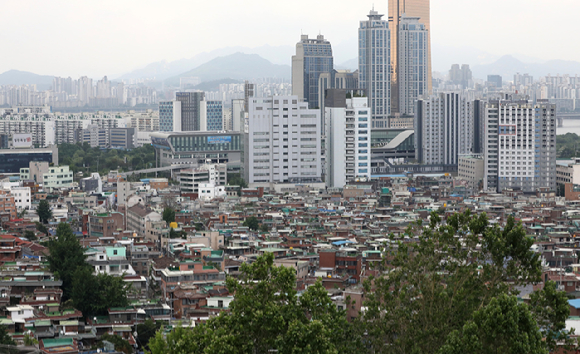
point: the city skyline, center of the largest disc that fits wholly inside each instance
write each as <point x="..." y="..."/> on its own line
<point x="130" y="41"/>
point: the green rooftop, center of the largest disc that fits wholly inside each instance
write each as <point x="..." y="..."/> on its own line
<point x="57" y="342"/>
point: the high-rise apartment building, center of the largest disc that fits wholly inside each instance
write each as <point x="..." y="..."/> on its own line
<point x="313" y="57"/>
<point x="348" y="138"/>
<point x="444" y="126"/>
<point x="412" y="63"/>
<point x="412" y="8"/>
<point x="170" y="116"/>
<point x="520" y="146"/>
<point x="191" y="110"/>
<point x="374" y="66"/>
<point x="282" y="141"/>
<point x="495" y="81"/>
<point x="461" y="76"/>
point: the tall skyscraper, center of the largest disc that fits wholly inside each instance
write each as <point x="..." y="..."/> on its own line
<point x="348" y="138"/>
<point x="374" y="66"/>
<point x="412" y="8"/>
<point x="412" y="63"/>
<point x="444" y="128"/>
<point x="313" y="57"/>
<point x="520" y="146"/>
<point x="191" y="110"/>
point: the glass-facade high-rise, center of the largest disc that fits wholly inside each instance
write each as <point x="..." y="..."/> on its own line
<point x="413" y="66"/>
<point x="374" y="67"/>
<point x="215" y="116"/>
<point x="313" y="57"/>
<point x="412" y="8"/>
<point x="170" y="116"/>
<point x="190" y="110"/>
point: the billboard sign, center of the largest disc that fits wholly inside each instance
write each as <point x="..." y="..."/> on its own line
<point x="219" y="139"/>
<point x="161" y="143"/>
<point x="22" y="141"/>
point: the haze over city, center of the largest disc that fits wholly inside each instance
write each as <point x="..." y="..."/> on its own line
<point x="309" y="176"/>
<point x="97" y="38"/>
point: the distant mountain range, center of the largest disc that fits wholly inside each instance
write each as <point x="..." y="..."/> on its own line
<point x="222" y="66"/>
<point x="507" y="66"/>
<point x="238" y="66"/>
<point x="163" y="69"/>
<point x="16" y="77"/>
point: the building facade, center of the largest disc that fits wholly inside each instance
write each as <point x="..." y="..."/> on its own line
<point x="313" y="57"/>
<point x="520" y="146"/>
<point x="444" y="126"/>
<point x="412" y="63"/>
<point x="374" y="66"/>
<point x="282" y="141"/>
<point x="412" y="8"/>
<point x="170" y="116"/>
<point x="212" y="116"/>
<point x="191" y="110"/>
<point x="348" y="135"/>
<point x="186" y="148"/>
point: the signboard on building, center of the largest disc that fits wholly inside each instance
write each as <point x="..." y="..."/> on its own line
<point x="224" y="139"/>
<point x="160" y="143"/>
<point x="22" y="141"/>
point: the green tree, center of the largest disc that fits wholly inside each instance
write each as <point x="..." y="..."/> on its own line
<point x="551" y="309"/>
<point x="5" y="338"/>
<point x="43" y="211"/>
<point x="503" y="326"/>
<point x="95" y="294"/>
<point x="30" y="235"/>
<point x="121" y="345"/>
<point x="66" y="255"/>
<point x="29" y="340"/>
<point x="169" y="215"/>
<point x="146" y="331"/>
<point x="432" y="287"/>
<point x="40" y="227"/>
<point x="266" y="315"/>
<point x="252" y="222"/>
<point x="264" y="228"/>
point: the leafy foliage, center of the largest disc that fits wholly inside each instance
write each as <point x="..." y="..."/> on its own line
<point x="121" y="345"/>
<point x="81" y="157"/>
<point x="94" y="294"/>
<point x="30" y="235"/>
<point x="252" y="222"/>
<point x="146" y="331"/>
<point x="66" y="257"/>
<point x="551" y="309"/>
<point x="267" y="315"/>
<point x="5" y="338"/>
<point x="502" y="326"/>
<point x="431" y="288"/>
<point x="169" y="215"/>
<point x="40" y="227"/>
<point x="43" y="211"/>
<point x="568" y="145"/>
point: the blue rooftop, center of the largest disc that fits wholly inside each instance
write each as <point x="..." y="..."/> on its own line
<point x="574" y="303"/>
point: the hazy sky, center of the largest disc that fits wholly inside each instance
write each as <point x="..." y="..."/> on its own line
<point x="111" y="37"/>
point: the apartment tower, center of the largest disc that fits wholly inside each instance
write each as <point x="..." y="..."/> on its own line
<point x="374" y="66"/>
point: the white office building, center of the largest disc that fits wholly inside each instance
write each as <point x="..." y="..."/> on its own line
<point x="444" y="126"/>
<point x="413" y="63"/>
<point x="282" y="141"/>
<point x="374" y="66"/>
<point x="520" y="146"/>
<point x="348" y="138"/>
